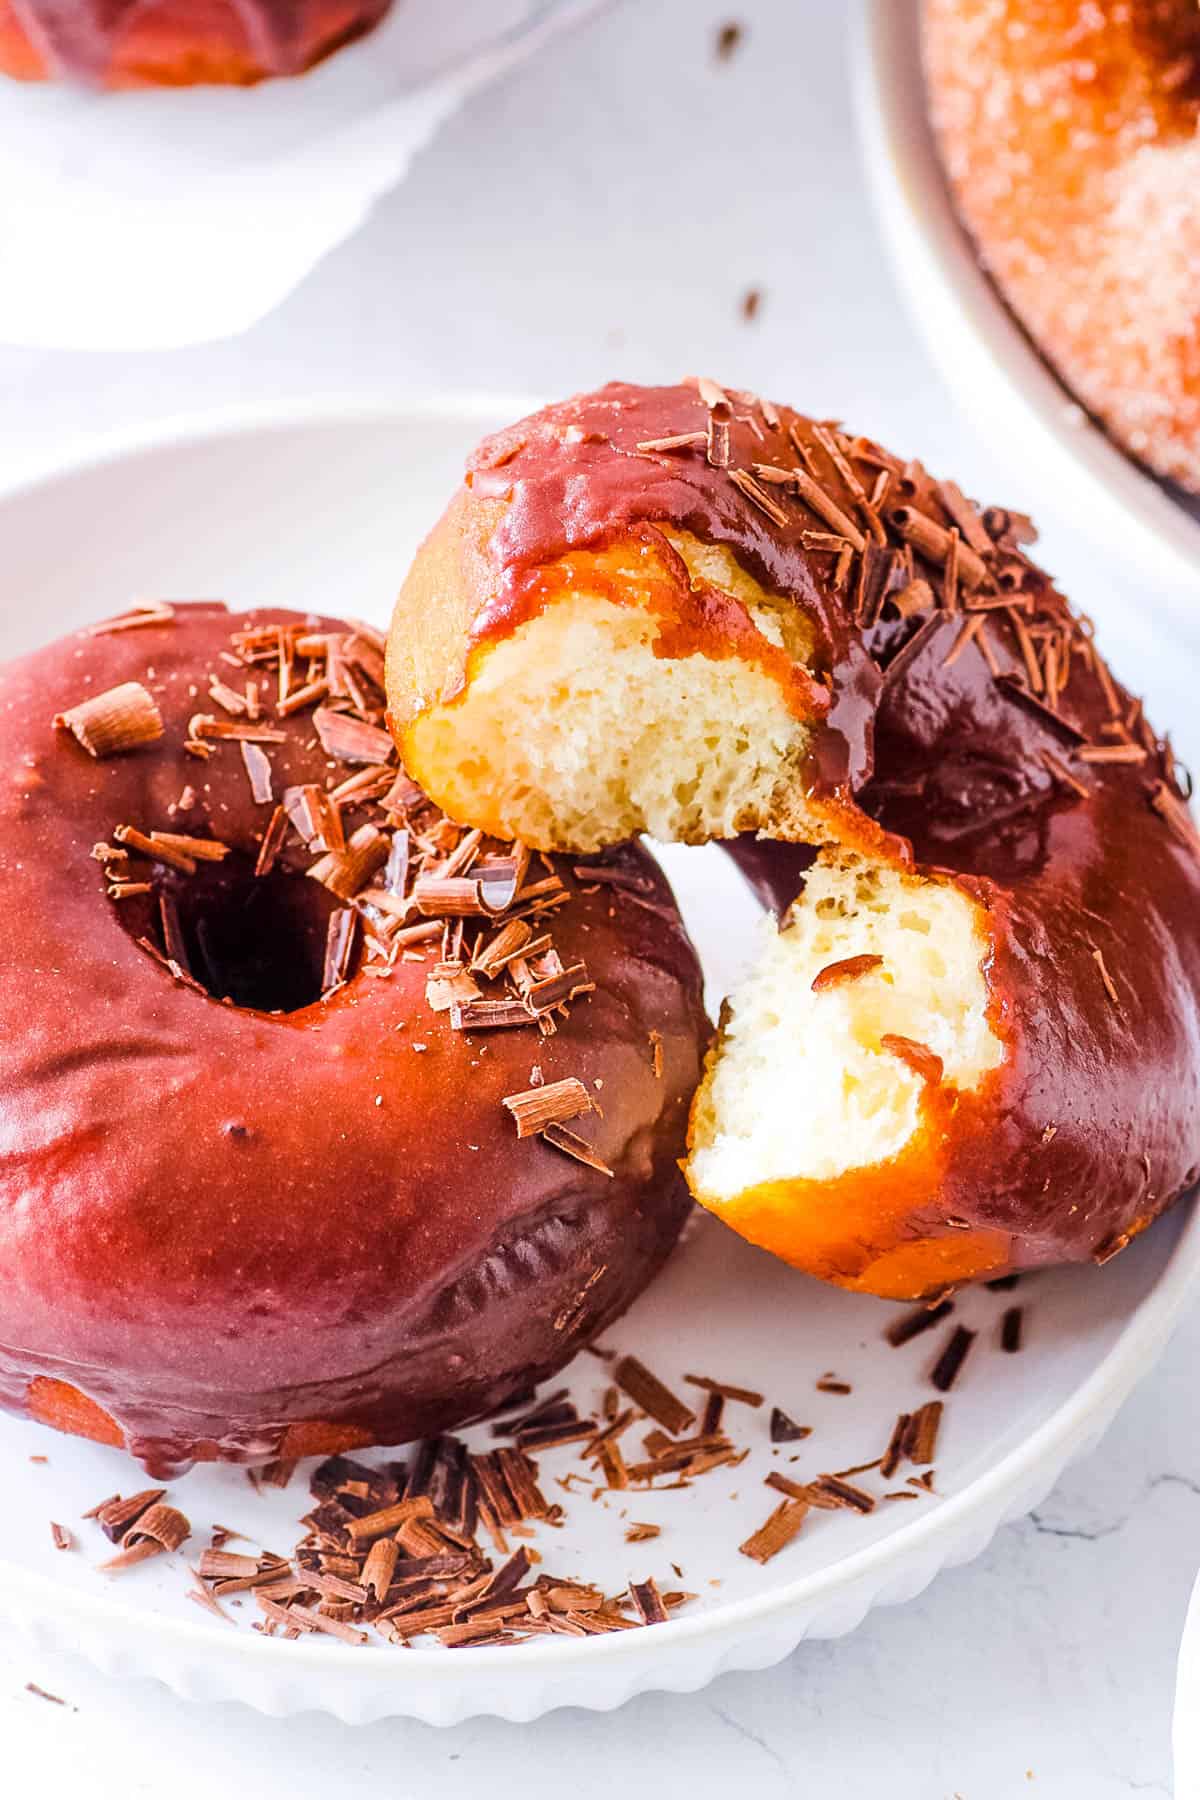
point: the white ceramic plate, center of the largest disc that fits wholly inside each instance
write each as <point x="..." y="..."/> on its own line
<point x="197" y="210"/>
<point x="1186" y="1730"/>
<point x="323" y="509"/>
<point x="986" y="358"/>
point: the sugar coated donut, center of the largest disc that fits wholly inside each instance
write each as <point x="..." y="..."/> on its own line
<point x="324" y="1123"/>
<point x="1071" y="135"/>
<point x="973" y="1043"/>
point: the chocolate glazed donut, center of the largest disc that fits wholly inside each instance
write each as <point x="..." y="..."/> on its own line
<point x="974" y="1043"/>
<point x="175" y="43"/>
<point x="257" y="1197"/>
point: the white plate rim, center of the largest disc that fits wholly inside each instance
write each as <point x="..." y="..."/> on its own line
<point x="960" y="314"/>
<point x="1051" y="1444"/>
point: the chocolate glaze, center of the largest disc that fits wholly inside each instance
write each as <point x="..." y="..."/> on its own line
<point x="86" y="40"/>
<point x="1091" y="1124"/>
<point x="572" y="477"/>
<point x="217" y="1222"/>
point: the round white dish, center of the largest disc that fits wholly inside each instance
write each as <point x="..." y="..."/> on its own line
<point x="987" y="360"/>
<point x="1186" y="1729"/>
<point x="322" y="508"/>
<point x="162" y="194"/>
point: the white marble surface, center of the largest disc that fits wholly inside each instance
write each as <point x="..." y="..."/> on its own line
<point x="603" y="212"/>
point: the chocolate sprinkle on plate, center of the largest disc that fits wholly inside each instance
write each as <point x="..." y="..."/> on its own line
<point x="949" y="1364"/>
<point x="784" y="1430"/>
<point x="648" y="1392"/>
<point x="1010" y="1329"/>
<point x="912" y="1324"/>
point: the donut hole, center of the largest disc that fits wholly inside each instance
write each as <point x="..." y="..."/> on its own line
<point x="801" y="1085"/>
<point x="256" y="941"/>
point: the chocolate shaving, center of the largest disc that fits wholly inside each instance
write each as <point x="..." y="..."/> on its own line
<point x="200" y="849"/>
<point x="784" y="1430"/>
<point x="918" y="1057"/>
<point x="948" y="1365"/>
<point x="315" y="817"/>
<point x="1175" y="812"/>
<point x="850" y="968"/>
<point x="758" y="496"/>
<point x="258" y="773"/>
<point x="351" y="740"/>
<point x="950" y="576"/>
<point x="227" y="1565"/>
<point x="844" y="1494"/>
<point x="654" y="1398"/>
<point x="875" y="570"/>
<point x="567" y="984"/>
<point x="341" y="936"/>
<point x="648" y="1601"/>
<point x="114" y="1516"/>
<point x="715" y="398"/>
<point x="159" y="1528"/>
<point x="920" y="1438"/>
<point x="272" y="842"/>
<point x="717" y="447"/>
<point x="833" y="449"/>
<point x="1016" y="690"/>
<point x="550" y="1104"/>
<point x="298" y="699"/>
<point x="108" y="724"/>
<point x="1111" y="1246"/>
<point x="174" y="941"/>
<point x="488" y="1015"/>
<point x="1105" y="977"/>
<point x="228" y="697"/>
<point x="914" y="598"/>
<point x="1010" y="1330"/>
<point x="912" y="648"/>
<point x="1033" y="671"/>
<point x="1060" y="772"/>
<point x="202" y="726"/>
<point x="389" y="1519"/>
<point x="987" y="652"/>
<point x="683" y="440"/>
<point x="777" y="1533"/>
<point x="912" y="1324"/>
<point x="346" y="872"/>
<point x="612" y="1464"/>
<point x="1112" y="753"/>
<point x="714" y="1412"/>
<point x="41" y="1693"/>
<point x="894" y="1455"/>
<point x="744" y="1396"/>
<point x="447" y="897"/>
<point x="1006" y="527"/>
<point x="575" y="1147"/>
<point x="937" y="545"/>
<point x="511" y="940"/>
<point x="150" y="612"/>
<point x="809" y="1492"/>
<point x="967" y="517"/>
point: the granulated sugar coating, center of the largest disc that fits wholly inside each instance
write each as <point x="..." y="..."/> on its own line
<point x="1071" y="133"/>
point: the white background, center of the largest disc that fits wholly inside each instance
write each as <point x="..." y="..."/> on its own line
<point x="603" y="212"/>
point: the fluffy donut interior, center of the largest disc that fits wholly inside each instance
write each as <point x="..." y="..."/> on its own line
<point x="801" y="1086"/>
<point x="603" y="738"/>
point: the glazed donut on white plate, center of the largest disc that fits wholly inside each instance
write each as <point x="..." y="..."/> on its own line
<point x="973" y="1043"/>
